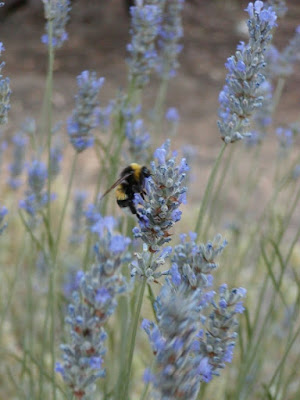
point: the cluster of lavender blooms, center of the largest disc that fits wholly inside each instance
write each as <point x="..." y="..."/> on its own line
<point x="148" y="266"/>
<point x="195" y="263"/>
<point x="95" y="222"/>
<point x="240" y="97"/>
<point x="84" y="116"/>
<point x="36" y="194"/>
<point x="195" y="333"/>
<point x="138" y="138"/>
<point x="137" y="135"/>
<point x="281" y="64"/>
<point x="165" y="193"/>
<point x="17" y="166"/>
<point x="5" y="93"/>
<point x="145" y="22"/>
<point x="177" y="374"/>
<point x="156" y="28"/>
<point x="77" y="235"/>
<point x="170" y="33"/>
<point x="93" y="303"/>
<point x="56" y="13"/>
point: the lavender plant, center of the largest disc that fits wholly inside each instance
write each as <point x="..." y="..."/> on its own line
<point x="170" y="33"/>
<point x="239" y="97"/>
<point x="92" y="305"/>
<point x="16" y="167"/>
<point x="36" y="196"/>
<point x="137" y="136"/>
<point x="166" y="191"/>
<point x="5" y="93"/>
<point x="195" y="335"/>
<point x="57" y="14"/>
<point x="145" y="23"/>
<point x="84" y="116"/>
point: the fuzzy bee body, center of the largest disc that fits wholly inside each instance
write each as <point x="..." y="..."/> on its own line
<point x="131" y="181"/>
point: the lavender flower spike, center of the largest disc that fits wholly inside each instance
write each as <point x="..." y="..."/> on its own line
<point x="170" y="33"/>
<point x="196" y="263"/>
<point x="36" y="195"/>
<point x="176" y="371"/>
<point x="5" y="93"/>
<point x="145" y="22"/>
<point x="240" y="97"/>
<point x="92" y="305"/>
<point x="220" y="328"/>
<point x="84" y="118"/>
<point x="57" y="11"/>
<point x="165" y="192"/>
<point x="16" y="167"/>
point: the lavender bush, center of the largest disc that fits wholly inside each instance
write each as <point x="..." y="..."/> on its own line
<point x="101" y="304"/>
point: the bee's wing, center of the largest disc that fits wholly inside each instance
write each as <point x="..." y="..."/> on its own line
<point x="118" y="182"/>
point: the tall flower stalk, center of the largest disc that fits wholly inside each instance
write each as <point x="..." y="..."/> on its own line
<point x="145" y="22"/>
<point x="84" y="116"/>
<point x="157" y="214"/>
<point x="240" y="98"/>
<point x="56" y="14"/>
<point x="91" y="306"/>
<point x="195" y="333"/>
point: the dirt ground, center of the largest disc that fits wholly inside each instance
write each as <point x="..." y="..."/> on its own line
<point x="98" y="34"/>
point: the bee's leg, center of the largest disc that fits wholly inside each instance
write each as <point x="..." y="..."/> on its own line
<point x="143" y="193"/>
<point x="132" y="208"/>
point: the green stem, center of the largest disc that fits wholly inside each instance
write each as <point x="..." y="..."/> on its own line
<point x="53" y="307"/>
<point x="32" y="236"/>
<point x="215" y="198"/>
<point x="152" y="298"/>
<point x="62" y="217"/>
<point x="278" y="93"/>
<point x="253" y="347"/>
<point x="262" y="217"/>
<point x="133" y="338"/>
<point x="44" y="346"/>
<point x="208" y="189"/>
<point x="159" y="104"/>
<point x="282" y="362"/>
<point x="48" y="94"/>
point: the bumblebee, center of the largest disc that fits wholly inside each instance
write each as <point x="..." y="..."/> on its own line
<point x="131" y="181"/>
